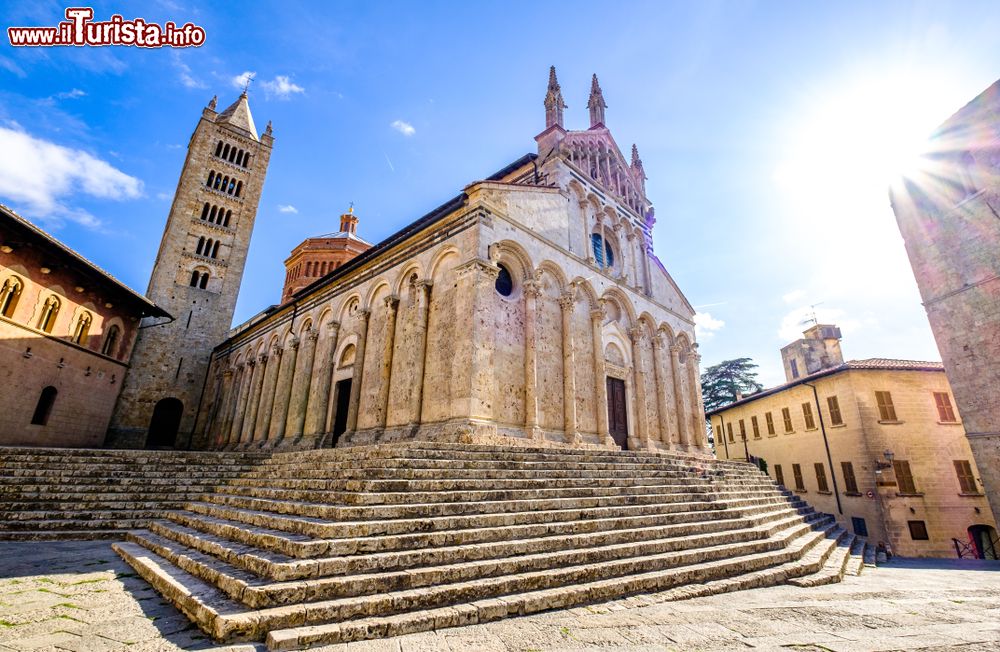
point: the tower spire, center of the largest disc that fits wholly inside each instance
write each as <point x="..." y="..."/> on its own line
<point x="554" y="103"/>
<point x="596" y="104"/>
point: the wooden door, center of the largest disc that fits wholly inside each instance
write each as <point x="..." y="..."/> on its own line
<point x="617" y="412"/>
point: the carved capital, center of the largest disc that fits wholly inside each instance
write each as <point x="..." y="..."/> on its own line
<point x="276" y="350"/>
<point x="659" y="341"/>
<point x="333" y="325"/>
<point x="599" y="314"/>
<point x="294" y="342"/>
<point x="262" y="358"/>
<point x="228" y="372"/>
<point x="635" y="334"/>
<point x="675" y="350"/>
<point x="391" y="302"/>
<point x="312" y="334"/>
<point x="362" y="315"/>
<point x="567" y="299"/>
<point x="532" y="288"/>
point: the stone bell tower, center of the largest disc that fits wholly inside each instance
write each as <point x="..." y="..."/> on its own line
<point x="196" y="278"/>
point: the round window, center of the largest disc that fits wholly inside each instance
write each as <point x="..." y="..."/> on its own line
<point x="505" y="282"/>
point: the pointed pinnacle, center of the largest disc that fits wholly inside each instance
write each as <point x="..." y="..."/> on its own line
<point x="553" y="82"/>
<point x="596" y="95"/>
<point x="635" y="156"/>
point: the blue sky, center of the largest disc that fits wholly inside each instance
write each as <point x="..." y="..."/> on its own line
<point x="769" y="132"/>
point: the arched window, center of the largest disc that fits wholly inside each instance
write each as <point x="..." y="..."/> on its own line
<point x="195" y="277"/>
<point x="211" y="179"/>
<point x="232" y="155"/>
<point x="211" y="216"/>
<point x="505" y="282"/>
<point x="225" y="152"/>
<point x="228" y="215"/>
<point x="239" y="188"/>
<point x="49" y="312"/>
<point x="218" y="148"/>
<point x="44" y="406"/>
<point x="218" y="181"/>
<point x="241" y="158"/>
<point x="111" y="341"/>
<point x="232" y="186"/>
<point x="246" y="160"/>
<point x="82" y="329"/>
<point x="603" y="255"/>
<point x="215" y="249"/>
<point x="204" y="281"/>
<point x="201" y="245"/>
<point x="9" y="295"/>
<point x="204" y="211"/>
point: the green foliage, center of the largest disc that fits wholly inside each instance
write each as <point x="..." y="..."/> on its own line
<point x="721" y="383"/>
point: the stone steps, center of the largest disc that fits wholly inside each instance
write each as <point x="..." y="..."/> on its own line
<point x="834" y="560"/>
<point x="856" y="559"/>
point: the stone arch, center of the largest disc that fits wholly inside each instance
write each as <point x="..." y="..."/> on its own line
<point x="442" y="261"/>
<point x="403" y="279"/>
<point x="647" y="323"/>
<point x="307" y="324"/>
<point x="587" y="291"/>
<point x="667" y="332"/>
<point x="374" y="291"/>
<point x="106" y="326"/>
<point x="348" y="307"/>
<point x="623" y="302"/>
<point x="550" y="268"/>
<point x="347" y="353"/>
<point x="514" y="255"/>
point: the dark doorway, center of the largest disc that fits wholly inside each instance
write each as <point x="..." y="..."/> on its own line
<point x="340" y="416"/>
<point x="617" y="414"/>
<point x="164" y="424"/>
<point x="984" y="540"/>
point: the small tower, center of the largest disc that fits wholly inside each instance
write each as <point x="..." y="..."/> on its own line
<point x="596" y="104"/>
<point x="196" y="278"/>
<point x="316" y="257"/>
<point x="637" y="170"/>
<point x="554" y="104"/>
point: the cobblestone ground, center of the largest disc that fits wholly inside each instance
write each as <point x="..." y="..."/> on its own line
<point x="80" y="596"/>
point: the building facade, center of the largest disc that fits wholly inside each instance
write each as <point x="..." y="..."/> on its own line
<point x="948" y="211"/>
<point x="67" y="330"/>
<point x="878" y="443"/>
<point x="316" y="257"/>
<point x="530" y="306"/>
<point x="196" y="278"/>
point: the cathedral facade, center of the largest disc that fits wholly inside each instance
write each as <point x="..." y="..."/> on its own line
<point x="531" y="306"/>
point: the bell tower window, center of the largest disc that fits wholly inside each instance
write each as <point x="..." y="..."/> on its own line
<point x="603" y="254"/>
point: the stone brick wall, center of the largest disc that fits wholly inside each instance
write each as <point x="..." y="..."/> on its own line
<point x="948" y="214"/>
<point x="171" y="359"/>
<point x="917" y="436"/>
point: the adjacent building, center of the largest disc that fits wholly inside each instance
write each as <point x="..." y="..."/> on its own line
<point x="67" y="330"/>
<point x="316" y="257"/>
<point x="878" y="443"/>
<point x="948" y="211"/>
<point x="530" y="307"/>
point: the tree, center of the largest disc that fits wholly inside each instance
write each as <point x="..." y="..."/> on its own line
<point x="721" y="383"/>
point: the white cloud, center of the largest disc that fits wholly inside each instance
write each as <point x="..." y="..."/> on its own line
<point x="403" y="127"/>
<point x="11" y="67"/>
<point x="240" y="80"/>
<point x="184" y="72"/>
<point x="705" y="325"/>
<point x="287" y="208"/>
<point x="163" y="196"/>
<point x="42" y="174"/>
<point x="281" y="87"/>
<point x="793" y="296"/>
<point x="70" y="95"/>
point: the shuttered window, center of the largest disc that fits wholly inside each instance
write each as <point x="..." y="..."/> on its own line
<point x="807" y="415"/>
<point x="886" y="410"/>
<point x="786" y="414"/>
<point x="850" y="482"/>
<point x="904" y="478"/>
<point x="779" y="475"/>
<point x="756" y="427"/>
<point x="821" y="477"/>
<point x="797" y="472"/>
<point x="770" y="423"/>
<point x="965" y="478"/>
<point x="743" y="430"/>
<point x="946" y="413"/>
<point x="835" y="417"/>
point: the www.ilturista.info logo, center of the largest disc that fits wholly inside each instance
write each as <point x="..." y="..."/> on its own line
<point x="79" y="29"/>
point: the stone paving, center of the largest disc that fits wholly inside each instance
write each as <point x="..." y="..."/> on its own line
<point x="81" y="597"/>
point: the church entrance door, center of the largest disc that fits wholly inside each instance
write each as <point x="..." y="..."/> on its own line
<point x="343" y="388"/>
<point x="617" y="414"/>
<point x="164" y="423"/>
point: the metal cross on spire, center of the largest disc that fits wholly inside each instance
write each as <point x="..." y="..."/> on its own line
<point x="246" y="83"/>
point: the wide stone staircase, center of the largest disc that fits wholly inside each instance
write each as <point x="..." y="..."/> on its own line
<point x="309" y="548"/>
<point x="63" y="493"/>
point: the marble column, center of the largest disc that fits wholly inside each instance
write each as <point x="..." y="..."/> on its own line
<point x="532" y="289"/>
<point x="683" y="423"/>
<point x="283" y="391"/>
<point x="646" y="250"/>
<point x="322" y="378"/>
<point x="422" y="293"/>
<point x="362" y="317"/>
<point x="604" y="242"/>
<point x="389" y="345"/>
<point x="236" y="429"/>
<point x="633" y="259"/>
<point x="566" y="302"/>
<point x="295" y="422"/>
<point x="268" y="387"/>
<point x="597" y="317"/>
<point x="641" y="414"/>
<point x="697" y="408"/>
<point x="661" y="391"/>
<point x="588" y="248"/>
<point x="250" y="421"/>
<point x="226" y="424"/>
<point x="218" y="430"/>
